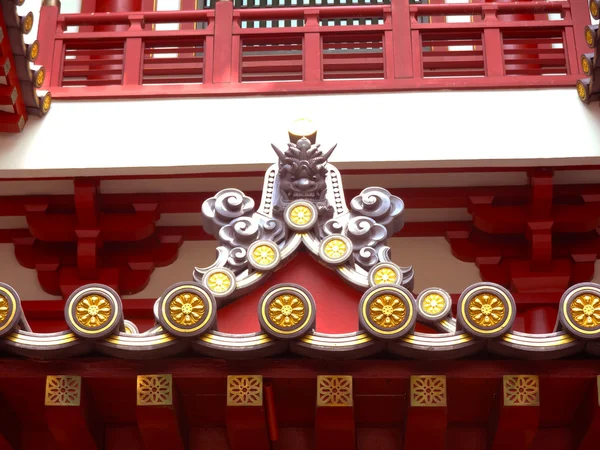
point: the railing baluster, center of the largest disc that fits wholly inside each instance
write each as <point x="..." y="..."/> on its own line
<point x="133" y="57"/>
<point x="492" y="44"/>
<point x="223" y="34"/>
<point x="312" y="51"/>
<point x="403" y="64"/>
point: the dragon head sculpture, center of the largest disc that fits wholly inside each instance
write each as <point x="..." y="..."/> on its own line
<point x="302" y="172"/>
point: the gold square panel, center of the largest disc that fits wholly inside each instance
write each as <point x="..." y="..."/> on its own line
<point x="427" y="390"/>
<point x="334" y="390"/>
<point x="244" y="390"/>
<point x="521" y="390"/>
<point x="63" y="390"/>
<point x="155" y="390"/>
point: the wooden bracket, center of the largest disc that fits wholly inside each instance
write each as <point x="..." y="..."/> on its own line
<point x="70" y="414"/>
<point x="158" y="413"/>
<point x="516" y="413"/>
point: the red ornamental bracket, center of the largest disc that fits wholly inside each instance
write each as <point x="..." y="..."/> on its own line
<point x="542" y="243"/>
<point x="86" y="243"/>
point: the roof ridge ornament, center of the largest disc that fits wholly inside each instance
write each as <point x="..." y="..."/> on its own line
<point x="302" y="203"/>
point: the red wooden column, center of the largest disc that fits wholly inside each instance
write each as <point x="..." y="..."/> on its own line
<point x="49" y="48"/>
<point x="427" y="413"/>
<point x="108" y="6"/>
<point x="334" y="420"/>
<point x="520" y="17"/>
<point x="515" y="416"/>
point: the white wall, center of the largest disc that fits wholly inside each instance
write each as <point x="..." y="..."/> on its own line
<point x="405" y="129"/>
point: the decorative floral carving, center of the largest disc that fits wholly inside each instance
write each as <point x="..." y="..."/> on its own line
<point x="63" y="390"/>
<point x="387" y="311"/>
<point x="93" y="311"/>
<point x="219" y="282"/>
<point x="264" y="255"/>
<point x="186" y="308"/>
<point x="433" y="304"/>
<point x="334" y="391"/>
<point x="3" y="308"/>
<point x="379" y="204"/>
<point x="585" y="310"/>
<point x="300" y="215"/>
<point x="335" y="249"/>
<point x="486" y="310"/>
<point x="244" y="390"/>
<point x="227" y="205"/>
<point x="521" y="390"/>
<point x="385" y="275"/>
<point x="153" y="390"/>
<point x="428" y="390"/>
<point x="286" y="310"/>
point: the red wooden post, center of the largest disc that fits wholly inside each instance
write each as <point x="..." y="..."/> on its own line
<point x="134" y="53"/>
<point x="492" y="44"/>
<point x="46" y="32"/>
<point x="403" y="61"/>
<point x="222" y="42"/>
<point x="312" y="52"/>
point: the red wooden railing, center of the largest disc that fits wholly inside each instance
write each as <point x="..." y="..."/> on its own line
<point x="313" y="49"/>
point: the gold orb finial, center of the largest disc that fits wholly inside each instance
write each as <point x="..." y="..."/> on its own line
<point x="303" y="128"/>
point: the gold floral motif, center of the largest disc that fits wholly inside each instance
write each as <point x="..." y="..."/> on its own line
<point x="585" y="65"/>
<point x="521" y="390"/>
<point x="286" y="310"/>
<point x="585" y="310"/>
<point x="387" y="310"/>
<point x="433" y="304"/>
<point x="35" y="50"/>
<point x="3" y="308"/>
<point x="581" y="91"/>
<point x="594" y="8"/>
<point x="244" y="390"/>
<point x="153" y="390"/>
<point x="47" y="101"/>
<point x="63" y="390"/>
<point x="589" y="37"/>
<point x="219" y="282"/>
<point x="334" y="390"/>
<point x="93" y="311"/>
<point x="428" y="390"/>
<point x="28" y="25"/>
<point x="186" y="308"/>
<point x="385" y="275"/>
<point x="39" y="78"/>
<point x="263" y="255"/>
<point x="335" y="249"/>
<point x="486" y="310"/>
<point x="300" y="215"/>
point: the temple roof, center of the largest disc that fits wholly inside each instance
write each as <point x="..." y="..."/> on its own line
<point x="308" y="273"/>
<point x="20" y="77"/>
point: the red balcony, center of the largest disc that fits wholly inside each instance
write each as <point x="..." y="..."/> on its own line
<point x="324" y="49"/>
